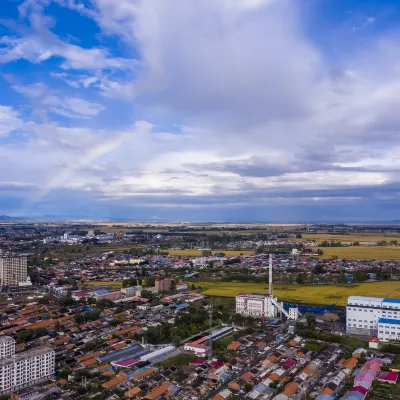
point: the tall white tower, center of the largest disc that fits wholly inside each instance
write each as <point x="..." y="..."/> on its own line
<point x="270" y="274"/>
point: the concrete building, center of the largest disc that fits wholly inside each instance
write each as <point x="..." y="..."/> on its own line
<point x="363" y="315"/>
<point x="163" y="285"/>
<point x="388" y="329"/>
<point x="13" y="269"/>
<point x="182" y="286"/>
<point x="132" y="291"/>
<point x="255" y="305"/>
<point x="21" y="370"/>
<point x="7" y="347"/>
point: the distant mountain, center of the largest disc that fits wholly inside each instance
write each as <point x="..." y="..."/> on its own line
<point x="7" y="218"/>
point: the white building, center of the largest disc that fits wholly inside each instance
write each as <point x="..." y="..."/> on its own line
<point x="13" y="269"/>
<point x="7" y="347"/>
<point x="388" y="329"/>
<point x="261" y="305"/>
<point x="132" y="291"/>
<point x="199" y="349"/>
<point x="25" y="369"/>
<point x="182" y="286"/>
<point x="293" y="313"/>
<point x="255" y="305"/>
<point x="364" y="314"/>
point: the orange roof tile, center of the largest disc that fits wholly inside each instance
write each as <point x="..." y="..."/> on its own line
<point x="290" y="389"/>
<point x="273" y="377"/>
<point x="247" y="376"/>
<point x="89" y="363"/>
<point x="233" y="346"/>
<point x="144" y="373"/>
<point x="104" y="367"/>
<point x="121" y="377"/>
<point x="158" y="391"/>
<point x="89" y="356"/>
<point x="132" y="392"/>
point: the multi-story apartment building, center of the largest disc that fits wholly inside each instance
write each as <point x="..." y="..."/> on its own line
<point x="24" y="369"/>
<point x="163" y="285"/>
<point x="13" y="269"/>
<point x="373" y="316"/>
<point x="7" y="347"/>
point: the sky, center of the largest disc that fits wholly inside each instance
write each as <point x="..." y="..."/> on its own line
<point x="206" y="110"/>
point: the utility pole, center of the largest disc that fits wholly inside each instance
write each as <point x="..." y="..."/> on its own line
<point x="210" y="330"/>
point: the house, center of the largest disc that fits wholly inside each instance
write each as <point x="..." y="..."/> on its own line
<point x="388" y="377"/>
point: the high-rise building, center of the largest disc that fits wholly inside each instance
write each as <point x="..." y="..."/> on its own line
<point x="7" y="347"/>
<point x="13" y="269"/>
<point x="25" y="369"/>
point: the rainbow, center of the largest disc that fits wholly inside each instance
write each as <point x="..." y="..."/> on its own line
<point x="86" y="158"/>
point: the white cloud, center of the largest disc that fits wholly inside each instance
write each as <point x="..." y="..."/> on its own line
<point x="40" y="44"/>
<point x="9" y="121"/>
<point x="264" y="114"/>
<point x="72" y="107"/>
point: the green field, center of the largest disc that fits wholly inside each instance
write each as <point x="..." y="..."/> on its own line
<point x="362" y="252"/>
<point x="309" y="294"/>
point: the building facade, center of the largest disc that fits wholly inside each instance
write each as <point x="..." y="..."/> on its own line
<point x="163" y="285"/>
<point x="13" y="269"/>
<point x="255" y="305"/>
<point x="25" y="369"/>
<point x="366" y="315"/>
<point x="7" y="347"/>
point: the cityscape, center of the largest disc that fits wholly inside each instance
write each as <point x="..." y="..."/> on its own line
<point x="208" y="311"/>
<point x="199" y="200"/>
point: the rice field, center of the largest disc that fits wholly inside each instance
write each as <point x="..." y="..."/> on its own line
<point x="357" y="237"/>
<point x="308" y="294"/>
<point x="111" y="284"/>
<point x="362" y="252"/>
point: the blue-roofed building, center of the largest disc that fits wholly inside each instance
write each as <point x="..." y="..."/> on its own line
<point x="182" y="306"/>
<point x="388" y="329"/>
<point x="363" y="314"/>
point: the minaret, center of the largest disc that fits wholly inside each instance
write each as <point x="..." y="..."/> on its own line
<point x="270" y="274"/>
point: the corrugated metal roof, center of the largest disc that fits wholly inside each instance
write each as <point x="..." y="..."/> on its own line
<point x="391" y="301"/>
<point x="388" y="321"/>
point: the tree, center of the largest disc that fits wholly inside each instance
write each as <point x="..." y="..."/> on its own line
<point x="176" y="341"/>
<point x="298" y="236"/>
<point x="248" y="387"/>
<point x="318" y="269"/>
<point x="310" y="320"/>
<point x="21" y="337"/>
<point x="300" y="278"/>
<point x="193" y="287"/>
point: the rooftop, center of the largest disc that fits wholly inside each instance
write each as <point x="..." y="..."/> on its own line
<point x="388" y="321"/>
<point x="25" y="355"/>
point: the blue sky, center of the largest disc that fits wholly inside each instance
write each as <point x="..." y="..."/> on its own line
<point x="213" y="110"/>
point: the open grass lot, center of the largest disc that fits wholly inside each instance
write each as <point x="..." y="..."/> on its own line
<point x="362" y="252"/>
<point x="197" y="253"/>
<point x="357" y="237"/>
<point x="179" y="361"/>
<point x="111" y="284"/>
<point x="309" y="294"/>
